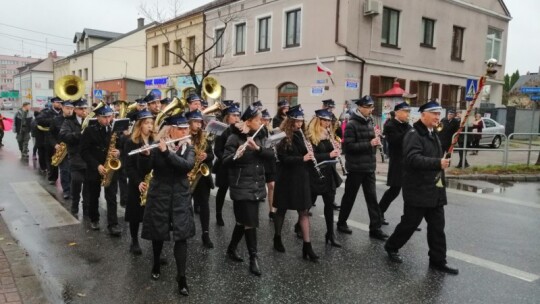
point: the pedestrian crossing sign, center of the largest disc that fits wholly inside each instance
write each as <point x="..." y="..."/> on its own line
<point x="470" y="89"/>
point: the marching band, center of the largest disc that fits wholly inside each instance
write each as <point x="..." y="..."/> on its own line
<point x="168" y="153"/>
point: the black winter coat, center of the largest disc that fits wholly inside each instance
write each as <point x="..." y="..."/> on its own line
<point x="222" y="178"/>
<point x="292" y="190"/>
<point x="46" y="120"/>
<point x="359" y="153"/>
<point x="277" y="120"/>
<point x="422" y="155"/>
<point x="94" y="147"/>
<point x="246" y="174"/>
<point x="136" y="173"/>
<point x="70" y="133"/>
<point x="54" y="130"/>
<point x="331" y="179"/>
<point x="395" y="131"/>
<point x="448" y="130"/>
<point x="168" y="204"/>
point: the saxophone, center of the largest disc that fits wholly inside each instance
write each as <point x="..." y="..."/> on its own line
<point x="147" y="179"/>
<point x="200" y="168"/>
<point x="111" y="163"/>
<point x="59" y="155"/>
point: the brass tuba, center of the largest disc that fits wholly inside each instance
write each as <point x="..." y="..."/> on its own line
<point x="69" y="87"/>
<point x="176" y="106"/>
<point x="211" y="87"/>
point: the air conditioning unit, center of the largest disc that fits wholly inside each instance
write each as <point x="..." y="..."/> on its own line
<point x="372" y="7"/>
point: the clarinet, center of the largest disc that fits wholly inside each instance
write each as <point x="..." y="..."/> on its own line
<point x="336" y="147"/>
<point x="309" y="147"/>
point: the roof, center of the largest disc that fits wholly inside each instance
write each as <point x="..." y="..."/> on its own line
<point x="505" y="8"/>
<point x="532" y="79"/>
<point x="30" y="66"/>
<point x="200" y="9"/>
<point x="77" y="37"/>
<point x="99" y="34"/>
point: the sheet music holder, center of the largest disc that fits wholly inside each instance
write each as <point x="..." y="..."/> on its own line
<point x="274" y="139"/>
<point x="216" y="127"/>
<point x="120" y="125"/>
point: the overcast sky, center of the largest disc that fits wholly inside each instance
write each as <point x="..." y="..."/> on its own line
<point x="56" y="21"/>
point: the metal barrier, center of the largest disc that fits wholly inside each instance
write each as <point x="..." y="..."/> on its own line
<point x="529" y="149"/>
<point x="504" y="139"/>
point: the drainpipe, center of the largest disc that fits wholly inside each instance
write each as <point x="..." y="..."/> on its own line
<point x="347" y="52"/>
<point x="203" y="47"/>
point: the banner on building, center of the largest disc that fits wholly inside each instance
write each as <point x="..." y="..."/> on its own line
<point x="156" y="83"/>
<point x="352" y="84"/>
<point x="317" y="90"/>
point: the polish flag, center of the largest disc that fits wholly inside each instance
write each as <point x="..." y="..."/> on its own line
<point x="322" y="68"/>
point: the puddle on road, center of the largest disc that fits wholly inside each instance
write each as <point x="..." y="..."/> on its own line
<point x="476" y="186"/>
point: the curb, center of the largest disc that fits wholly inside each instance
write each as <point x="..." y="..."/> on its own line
<point x="498" y="178"/>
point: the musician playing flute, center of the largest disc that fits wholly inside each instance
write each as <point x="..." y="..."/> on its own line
<point x="360" y="145"/>
<point x="325" y="148"/>
<point x="245" y="155"/>
<point x="292" y="190"/>
<point x="141" y="135"/>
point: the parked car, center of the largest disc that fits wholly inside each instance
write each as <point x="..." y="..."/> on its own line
<point x="7" y="105"/>
<point x="489" y="133"/>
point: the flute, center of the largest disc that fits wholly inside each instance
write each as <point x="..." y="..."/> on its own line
<point x="152" y="146"/>
<point x="309" y="147"/>
<point x="244" y="145"/>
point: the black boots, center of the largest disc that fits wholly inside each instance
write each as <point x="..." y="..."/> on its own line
<point x="182" y="286"/>
<point x="308" y="254"/>
<point x="251" y="243"/>
<point x="237" y="235"/>
<point x="278" y="244"/>
<point x="134" y="248"/>
<point x="206" y="240"/>
<point x="330" y="237"/>
<point x="219" y="219"/>
<point x="298" y="230"/>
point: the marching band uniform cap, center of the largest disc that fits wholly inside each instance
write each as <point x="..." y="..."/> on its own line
<point x="249" y="113"/>
<point x="329" y="103"/>
<point x="67" y="103"/>
<point x="178" y="121"/>
<point x="193" y="97"/>
<point x="204" y="103"/>
<point x="165" y="101"/>
<point x="283" y="103"/>
<point x="140" y="101"/>
<point x="56" y="99"/>
<point x="194" y="115"/>
<point x="402" y="106"/>
<point x="116" y="102"/>
<point x="143" y="114"/>
<point x="365" y="101"/>
<point x="104" y="111"/>
<point x="265" y="114"/>
<point x="233" y="109"/>
<point x="452" y="112"/>
<point x="296" y="112"/>
<point x="257" y="104"/>
<point x="154" y="95"/>
<point x="430" y="106"/>
<point x="323" y="114"/>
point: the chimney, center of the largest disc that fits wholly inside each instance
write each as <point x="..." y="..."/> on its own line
<point x="52" y="54"/>
<point x="140" y="22"/>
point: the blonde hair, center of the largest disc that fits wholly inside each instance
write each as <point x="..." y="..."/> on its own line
<point x="136" y="135"/>
<point x="316" y="132"/>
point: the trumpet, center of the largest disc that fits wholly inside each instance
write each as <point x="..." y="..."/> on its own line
<point x="337" y="147"/>
<point x="243" y="147"/>
<point x="152" y="146"/>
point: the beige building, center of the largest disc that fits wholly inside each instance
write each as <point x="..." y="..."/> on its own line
<point x="430" y="46"/>
<point x="112" y="63"/>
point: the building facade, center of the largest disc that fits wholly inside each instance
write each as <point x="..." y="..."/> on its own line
<point x="8" y="68"/>
<point x="431" y="48"/>
<point x="34" y="82"/>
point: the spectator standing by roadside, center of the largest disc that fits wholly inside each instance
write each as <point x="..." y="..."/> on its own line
<point x="23" y="122"/>
<point x="1" y="129"/>
<point x="477" y="127"/>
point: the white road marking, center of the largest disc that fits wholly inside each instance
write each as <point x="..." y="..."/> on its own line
<point x="507" y="270"/>
<point x="44" y="208"/>
<point x="513" y="272"/>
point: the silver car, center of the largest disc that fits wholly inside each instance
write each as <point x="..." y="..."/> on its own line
<point x="489" y="133"/>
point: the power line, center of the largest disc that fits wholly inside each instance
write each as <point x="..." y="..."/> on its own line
<point x="24" y="38"/>
<point x="20" y="28"/>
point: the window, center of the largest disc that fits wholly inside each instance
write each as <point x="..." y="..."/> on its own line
<point x="72" y="72"/>
<point x="428" y="29"/>
<point x="191" y="49"/>
<point x="264" y="34"/>
<point x="51" y="84"/>
<point x="220" y="51"/>
<point x="178" y="51"/>
<point x="493" y="44"/>
<point x="390" y="27"/>
<point x="240" y="45"/>
<point x="422" y="95"/>
<point x="86" y="74"/>
<point x="489" y="123"/>
<point x="166" y="54"/>
<point x="292" y="28"/>
<point x="80" y="73"/>
<point x="155" y="56"/>
<point x="288" y="91"/>
<point x="250" y="94"/>
<point x="457" y="43"/>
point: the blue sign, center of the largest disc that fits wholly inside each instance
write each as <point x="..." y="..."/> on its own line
<point x="156" y="83"/>
<point x="352" y="84"/>
<point x="317" y="91"/>
<point x="530" y="90"/>
<point x="535" y="97"/>
<point x="98" y="94"/>
<point x="470" y="89"/>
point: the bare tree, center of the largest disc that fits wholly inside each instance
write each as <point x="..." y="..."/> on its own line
<point x="190" y="57"/>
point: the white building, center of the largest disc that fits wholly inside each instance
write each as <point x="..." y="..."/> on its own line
<point x="34" y="81"/>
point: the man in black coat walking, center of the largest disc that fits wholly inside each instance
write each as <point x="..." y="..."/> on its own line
<point x="424" y="192"/>
<point x="360" y="145"/>
<point x="54" y="130"/>
<point x="394" y="131"/>
<point x="44" y="121"/>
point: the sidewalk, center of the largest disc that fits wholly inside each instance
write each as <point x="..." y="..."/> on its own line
<point x="18" y="282"/>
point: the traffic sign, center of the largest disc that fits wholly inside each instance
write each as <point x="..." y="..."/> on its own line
<point x="535" y="97"/>
<point x="98" y="94"/>
<point x="470" y="89"/>
<point x="530" y="90"/>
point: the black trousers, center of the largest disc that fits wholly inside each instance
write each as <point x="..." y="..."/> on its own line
<point x="94" y="191"/>
<point x="412" y="217"/>
<point x="352" y="185"/>
<point x="78" y="185"/>
<point x="201" y="197"/>
<point x="53" y="171"/>
<point x="388" y="197"/>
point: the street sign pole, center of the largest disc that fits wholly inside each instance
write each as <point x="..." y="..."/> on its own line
<point x="531" y="135"/>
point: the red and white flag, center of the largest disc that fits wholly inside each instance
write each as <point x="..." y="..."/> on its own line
<point x="323" y="68"/>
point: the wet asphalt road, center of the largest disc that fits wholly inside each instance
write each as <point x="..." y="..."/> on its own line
<point x="77" y="265"/>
